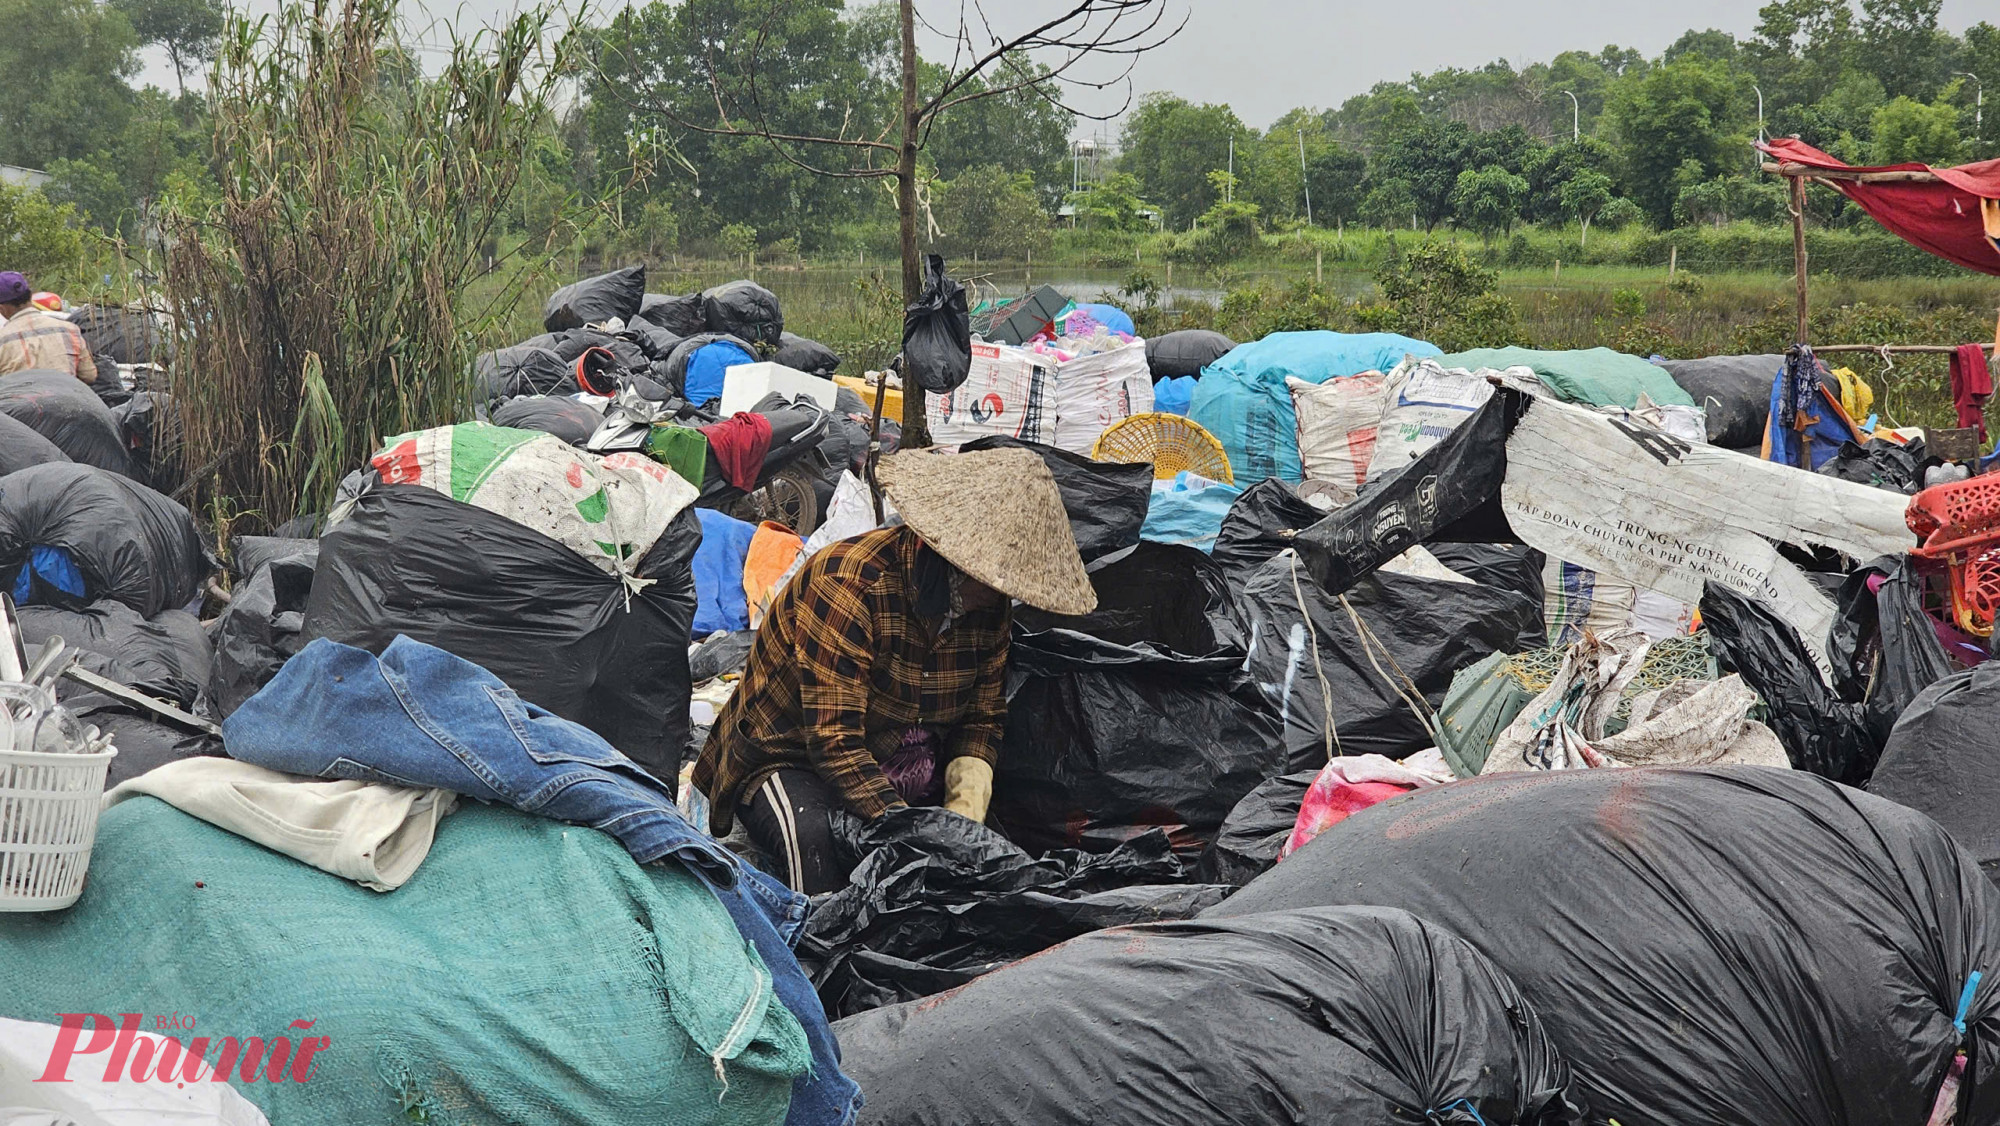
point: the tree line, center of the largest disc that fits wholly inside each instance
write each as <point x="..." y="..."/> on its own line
<point x="1600" y="138"/>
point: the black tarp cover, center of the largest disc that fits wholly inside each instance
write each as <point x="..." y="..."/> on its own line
<point x="1733" y="946"/>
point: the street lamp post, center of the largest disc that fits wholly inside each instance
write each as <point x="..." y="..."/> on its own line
<point x="1575" y="119"/>
<point x="1978" y="103"/>
<point x="1760" y="112"/>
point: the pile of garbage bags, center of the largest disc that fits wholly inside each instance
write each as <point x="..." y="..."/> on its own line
<point x="1460" y="759"/>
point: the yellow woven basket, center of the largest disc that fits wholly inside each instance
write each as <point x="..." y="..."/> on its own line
<point x="1171" y="442"/>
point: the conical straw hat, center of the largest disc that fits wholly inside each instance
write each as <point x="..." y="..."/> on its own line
<point x="997" y="516"/>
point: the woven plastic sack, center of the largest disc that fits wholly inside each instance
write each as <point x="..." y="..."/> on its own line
<point x="1424" y="401"/>
<point x="1094" y="391"/>
<point x="610" y="510"/>
<point x="1338" y="421"/>
<point x="1006" y="392"/>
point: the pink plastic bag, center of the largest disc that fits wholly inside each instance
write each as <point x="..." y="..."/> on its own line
<point x="1347" y="786"/>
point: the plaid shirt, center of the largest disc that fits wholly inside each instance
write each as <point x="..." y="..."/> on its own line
<point x="842" y="668"/>
<point x="32" y="339"/>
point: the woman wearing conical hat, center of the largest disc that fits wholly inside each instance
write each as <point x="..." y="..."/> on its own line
<point x="878" y="679"/>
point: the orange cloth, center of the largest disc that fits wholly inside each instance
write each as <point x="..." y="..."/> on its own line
<point x="772" y="549"/>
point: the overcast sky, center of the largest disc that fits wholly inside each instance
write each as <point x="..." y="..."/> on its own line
<point x="1264" y="57"/>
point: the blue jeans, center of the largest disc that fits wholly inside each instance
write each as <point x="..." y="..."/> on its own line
<point x="420" y="716"/>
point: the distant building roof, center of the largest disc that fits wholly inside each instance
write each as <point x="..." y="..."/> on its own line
<point x="21" y="177"/>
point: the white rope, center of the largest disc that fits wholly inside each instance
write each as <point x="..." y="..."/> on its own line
<point x="1325" y="693"/>
<point x="1414" y="699"/>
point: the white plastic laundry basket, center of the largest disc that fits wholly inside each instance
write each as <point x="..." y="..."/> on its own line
<point x="48" y="823"/>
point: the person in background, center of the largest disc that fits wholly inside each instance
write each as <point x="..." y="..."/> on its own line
<point x="878" y="679"/>
<point x="31" y="338"/>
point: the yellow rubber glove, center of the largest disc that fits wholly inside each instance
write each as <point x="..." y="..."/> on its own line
<point x="968" y="787"/>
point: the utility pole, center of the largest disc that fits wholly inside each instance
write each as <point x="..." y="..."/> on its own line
<point x="1229" y="189"/>
<point x="1575" y="120"/>
<point x="1978" y="103"/>
<point x="1303" y="181"/>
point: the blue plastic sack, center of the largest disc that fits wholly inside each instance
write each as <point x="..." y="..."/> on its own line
<point x="47" y="569"/>
<point x="1172" y="396"/>
<point x="1242" y="398"/>
<point x="1188" y="510"/>
<point x="708" y="365"/>
<point x="720" y="603"/>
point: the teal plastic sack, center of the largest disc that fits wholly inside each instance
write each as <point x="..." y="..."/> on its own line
<point x="1242" y="398"/>
<point x="1598" y="377"/>
<point x="530" y="972"/>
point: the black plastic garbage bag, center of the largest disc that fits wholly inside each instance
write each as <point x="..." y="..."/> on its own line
<point x="596" y="300"/>
<point x="248" y="554"/>
<point x="1733" y="391"/>
<point x="167" y="656"/>
<point x="681" y="316"/>
<point x="152" y="429"/>
<point x="1449" y="495"/>
<point x="657" y="343"/>
<point x="1735" y="946"/>
<point x="1349" y="1015"/>
<point x="1256" y="830"/>
<point x="70" y="415"/>
<point x="1185" y="352"/>
<point x="1821" y="732"/>
<point x="21" y="446"/>
<point x="745" y="310"/>
<point x="525" y="369"/>
<point x="262" y="627"/>
<point x="566" y="418"/>
<point x="1884" y="648"/>
<point x="142" y="741"/>
<point x="1943" y="760"/>
<point x="805" y="355"/>
<point x="1136" y="715"/>
<point x="559" y="631"/>
<point x="131" y="543"/>
<point x="721" y="654"/>
<point x="1884" y="464"/>
<point x="1106" y="501"/>
<point x="937" y="332"/>
<point x="626" y="354"/>
<point x="935" y="900"/>
<point x="1414" y="634"/>
<point x="1259" y="524"/>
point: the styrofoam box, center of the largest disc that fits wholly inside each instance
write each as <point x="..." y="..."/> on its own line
<point x="744" y="384"/>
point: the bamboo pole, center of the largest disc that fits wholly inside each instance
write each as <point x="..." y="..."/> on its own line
<point x="1807" y="171"/>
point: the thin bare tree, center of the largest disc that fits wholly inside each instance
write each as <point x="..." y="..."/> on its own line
<point x="1051" y="59"/>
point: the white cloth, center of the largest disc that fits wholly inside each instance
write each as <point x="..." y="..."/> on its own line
<point x="373" y="833"/>
<point x="87" y="1100"/>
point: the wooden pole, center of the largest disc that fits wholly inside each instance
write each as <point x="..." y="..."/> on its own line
<point x="1942" y="348"/>
<point x="1799" y="250"/>
<point x="1797" y="171"/>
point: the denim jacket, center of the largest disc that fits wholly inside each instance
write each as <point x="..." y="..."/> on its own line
<point x="419" y="716"/>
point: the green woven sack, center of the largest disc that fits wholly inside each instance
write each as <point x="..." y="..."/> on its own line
<point x="530" y="972"/>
